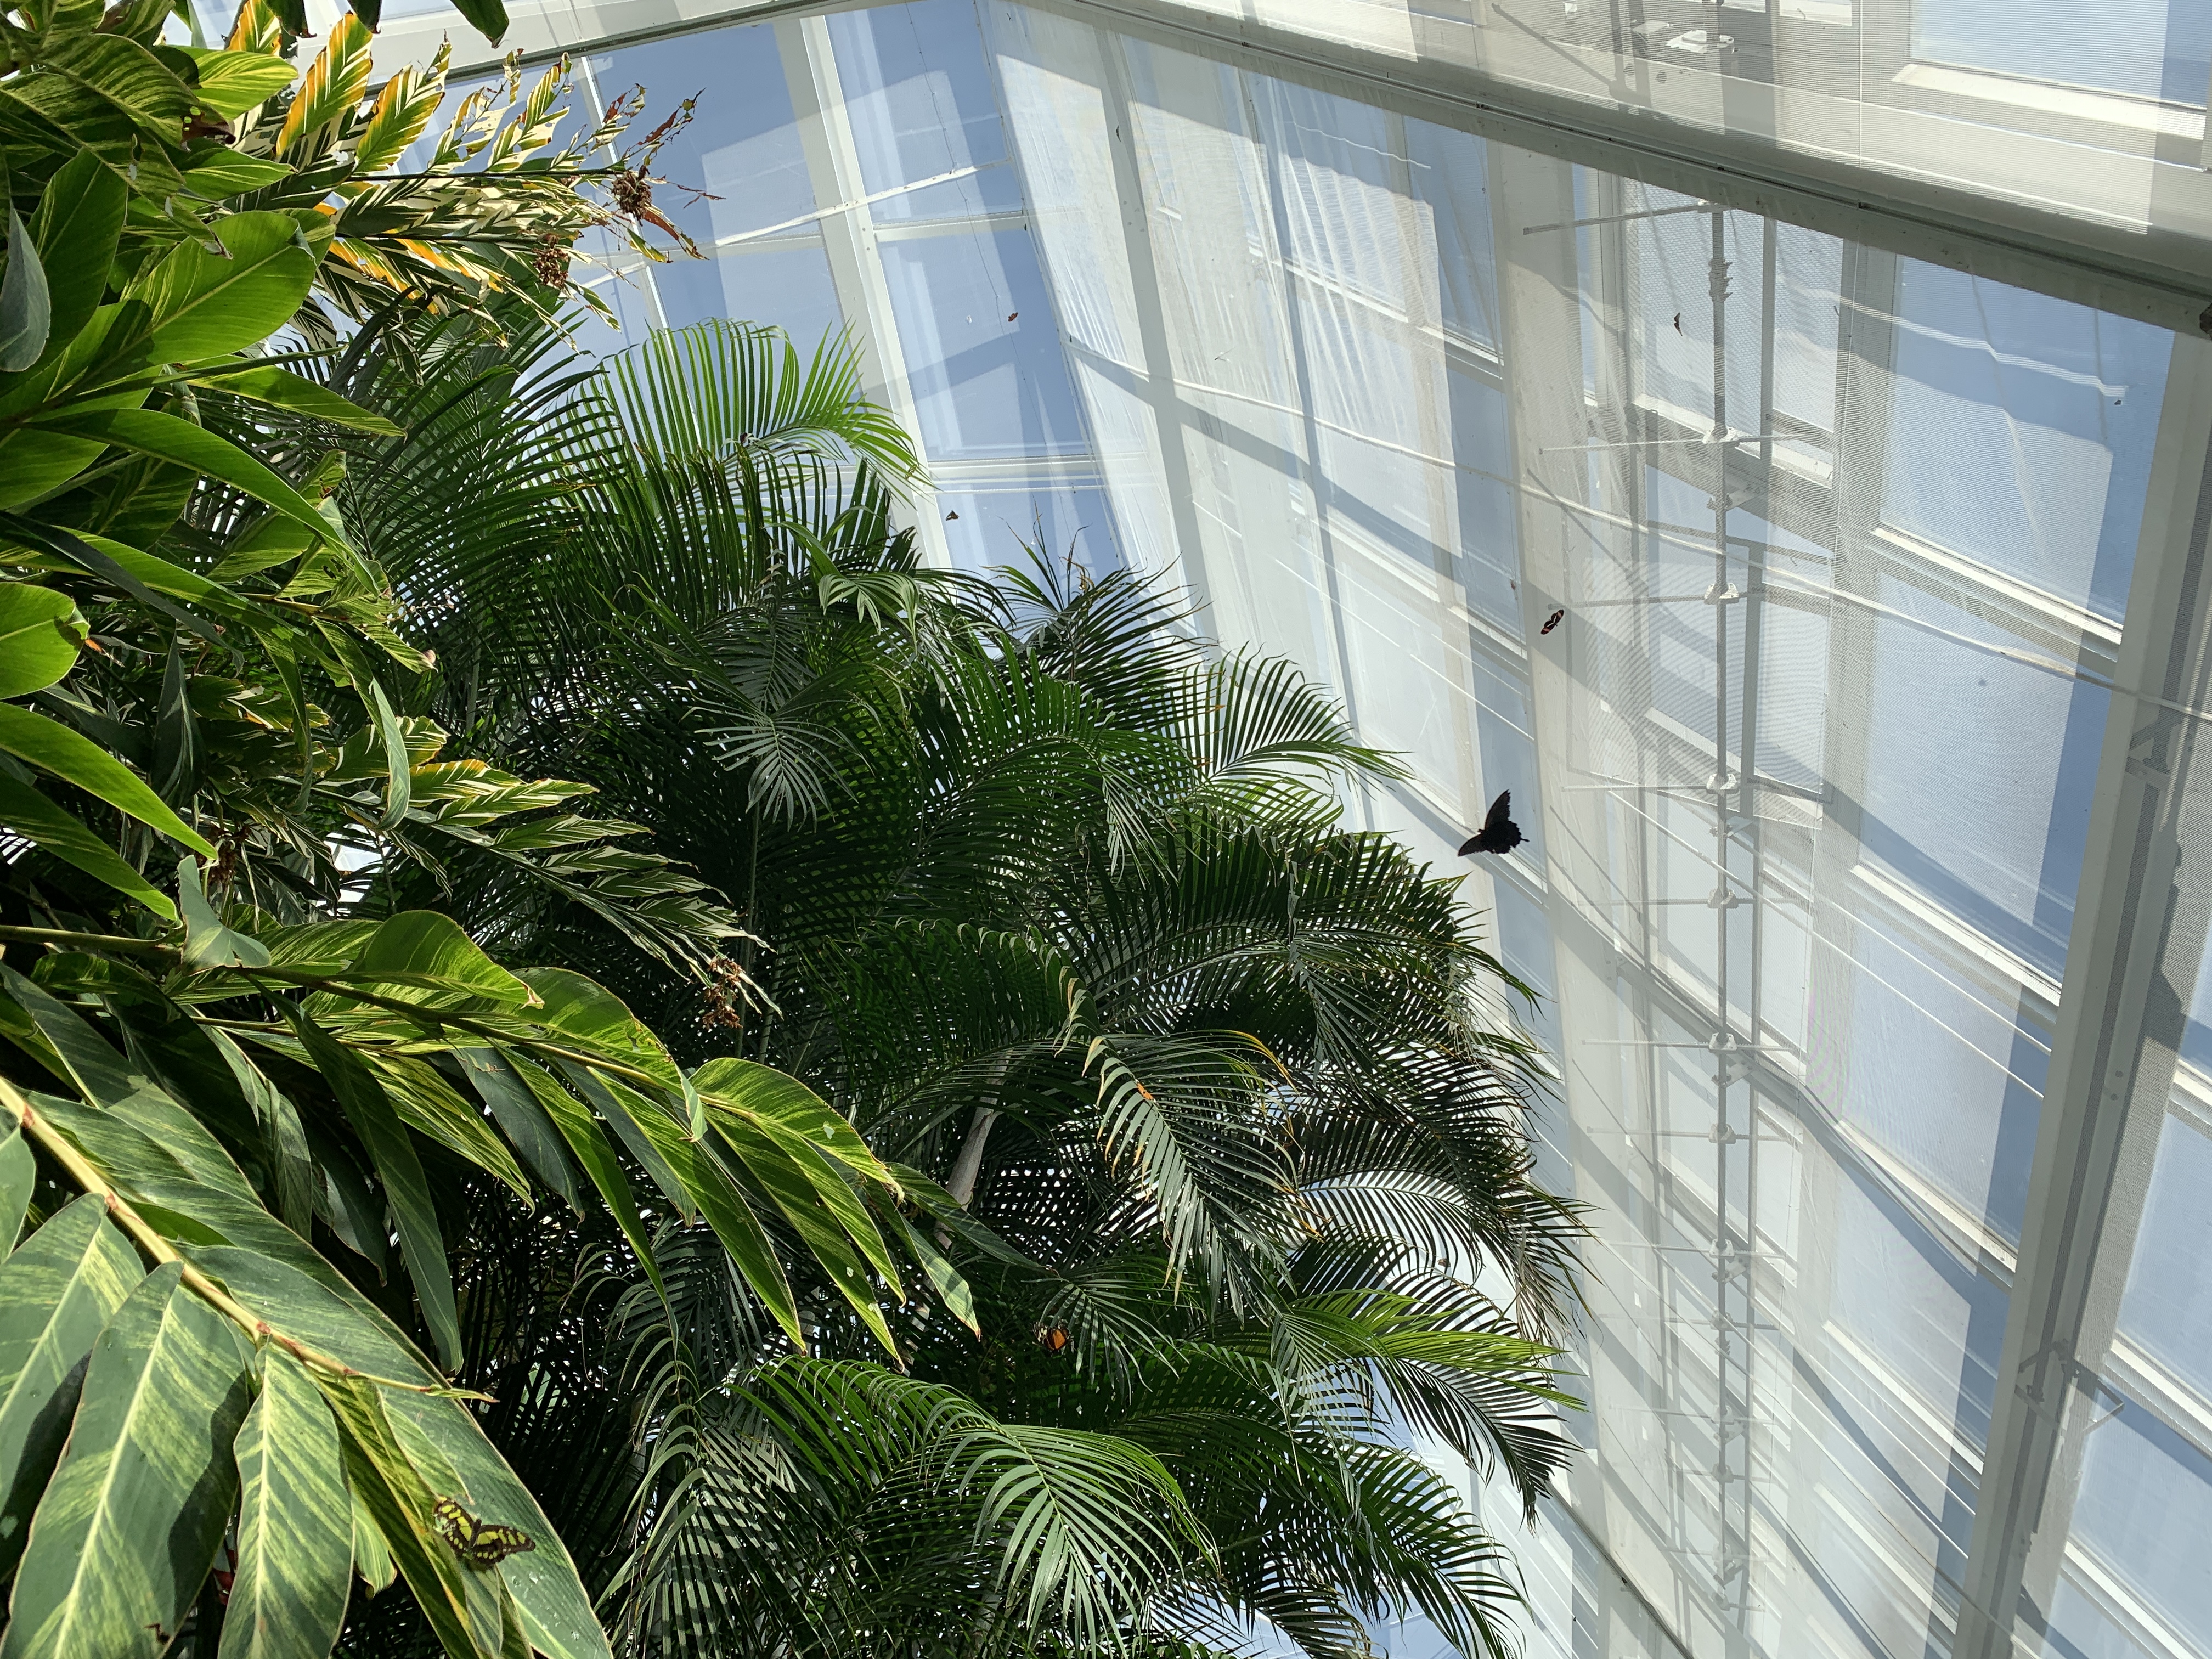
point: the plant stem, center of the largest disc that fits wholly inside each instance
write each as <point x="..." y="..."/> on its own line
<point x="81" y="1171"/>
<point x="88" y="941"/>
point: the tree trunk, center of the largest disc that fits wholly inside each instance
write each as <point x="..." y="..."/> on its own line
<point x="970" y="1163"/>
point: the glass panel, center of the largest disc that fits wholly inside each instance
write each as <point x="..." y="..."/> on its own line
<point x="789" y="288"/>
<point x="2140" y="1518"/>
<point x="918" y="92"/>
<point x="1992" y="829"/>
<point x="1002" y="525"/>
<point x="2150" y="48"/>
<point x="2168" y="1307"/>
<point x="2048" y="409"/>
<point x="738" y="165"/>
<point x="987" y="380"/>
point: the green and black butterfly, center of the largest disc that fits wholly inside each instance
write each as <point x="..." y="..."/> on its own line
<point x="482" y="1544"/>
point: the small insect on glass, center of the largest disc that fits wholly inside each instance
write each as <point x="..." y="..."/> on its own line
<point x="1552" y="621"/>
<point x="482" y="1544"/>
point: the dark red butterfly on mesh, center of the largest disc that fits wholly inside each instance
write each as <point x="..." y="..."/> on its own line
<point x="1552" y="621"/>
<point x="1498" y="834"/>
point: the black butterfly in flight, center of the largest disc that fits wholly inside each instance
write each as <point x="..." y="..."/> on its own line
<point x="1498" y="834"/>
<point x="482" y="1544"/>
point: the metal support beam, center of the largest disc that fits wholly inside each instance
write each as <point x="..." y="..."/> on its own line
<point x="2099" y="1083"/>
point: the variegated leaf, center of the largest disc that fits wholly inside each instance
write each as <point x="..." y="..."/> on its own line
<point x="403" y="110"/>
<point x="332" y="87"/>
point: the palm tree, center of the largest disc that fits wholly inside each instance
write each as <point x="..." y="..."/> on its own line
<point x="1208" y="1110"/>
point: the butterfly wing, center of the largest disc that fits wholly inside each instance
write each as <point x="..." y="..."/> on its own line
<point x="482" y="1544"/>
<point x="1498" y="834"/>
<point x="455" y="1524"/>
<point x="496" y="1541"/>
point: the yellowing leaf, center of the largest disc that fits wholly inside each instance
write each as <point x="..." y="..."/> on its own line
<point x="333" y="85"/>
<point x="256" y="28"/>
<point x="403" y="109"/>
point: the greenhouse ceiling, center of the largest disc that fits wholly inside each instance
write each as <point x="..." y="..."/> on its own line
<point x="1659" y="428"/>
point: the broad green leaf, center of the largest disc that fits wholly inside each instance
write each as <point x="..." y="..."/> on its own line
<point x="79" y="222"/>
<point x="487" y="17"/>
<point x="782" y="1107"/>
<point x="19" y="1174"/>
<point x="522" y="1119"/>
<point x="829" y="1186"/>
<point x="944" y="1277"/>
<point x="556" y="1610"/>
<point x="555" y="1615"/>
<point x="79" y="1053"/>
<point x="288" y="1598"/>
<point x="159" y="576"/>
<point x="742" y="1235"/>
<point x="398" y="1500"/>
<point x="332" y="1318"/>
<point x="404" y="108"/>
<point x="27" y="310"/>
<point x="369" y="1110"/>
<point x="318" y="947"/>
<point x="167" y="438"/>
<point x="216" y="175"/>
<point x="20" y="1029"/>
<point x="751" y="1087"/>
<point x="331" y="89"/>
<point x="129" y="1524"/>
<point x="788" y="1184"/>
<point x="428" y="1104"/>
<point x="29" y="813"/>
<point x="587" y="1015"/>
<point x="183" y="1209"/>
<point x="40" y="634"/>
<point x="176" y="731"/>
<point x="398" y="768"/>
<point x="281" y="388"/>
<point x="128" y="77"/>
<point x="70" y="755"/>
<point x="372" y="1556"/>
<point x="125" y="1095"/>
<point x="118" y="564"/>
<point x="208" y="942"/>
<point x="581" y="1131"/>
<point x="57" y="1291"/>
<point x="624" y="1112"/>
<point x="34" y="462"/>
<point x="231" y="82"/>
<point x="206" y="305"/>
<point x="356" y="1214"/>
<point x="425" y="949"/>
<point x="284" y="1139"/>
